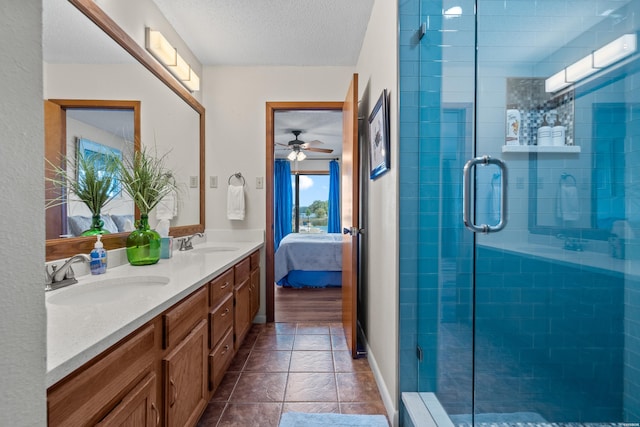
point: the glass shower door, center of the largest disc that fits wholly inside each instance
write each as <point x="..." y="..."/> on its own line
<point x="556" y="325"/>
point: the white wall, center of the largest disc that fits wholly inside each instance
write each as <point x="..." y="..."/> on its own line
<point x="378" y="69"/>
<point x="22" y="308"/>
<point x="235" y="100"/>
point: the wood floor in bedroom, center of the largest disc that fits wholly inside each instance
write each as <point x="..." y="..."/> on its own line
<point x="308" y="304"/>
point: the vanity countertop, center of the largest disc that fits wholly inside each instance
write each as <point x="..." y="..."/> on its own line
<point x="597" y="262"/>
<point x="79" y="331"/>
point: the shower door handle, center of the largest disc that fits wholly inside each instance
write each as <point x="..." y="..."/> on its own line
<point x="466" y="195"/>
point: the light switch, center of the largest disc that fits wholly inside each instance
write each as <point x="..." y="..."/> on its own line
<point x="259" y="183"/>
<point x="213" y="181"/>
<point x="193" y="181"/>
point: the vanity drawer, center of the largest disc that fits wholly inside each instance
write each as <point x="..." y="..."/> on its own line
<point x="181" y="319"/>
<point x="220" y="319"/>
<point x="220" y="287"/>
<point x="255" y="260"/>
<point x="242" y="270"/>
<point x="219" y="360"/>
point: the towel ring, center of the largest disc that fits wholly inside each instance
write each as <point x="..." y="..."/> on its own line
<point x="568" y="179"/>
<point x="238" y="176"/>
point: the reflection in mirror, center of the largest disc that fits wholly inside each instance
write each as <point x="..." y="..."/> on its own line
<point x="170" y="119"/>
<point x="112" y="128"/>
<point x="584" y="195"/>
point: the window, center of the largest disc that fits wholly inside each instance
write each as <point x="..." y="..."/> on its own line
<point x="310" y="202"/>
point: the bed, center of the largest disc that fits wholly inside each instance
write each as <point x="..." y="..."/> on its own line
<point x="309" y="260"/>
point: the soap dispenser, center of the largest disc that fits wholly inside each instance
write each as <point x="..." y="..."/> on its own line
<point x="558" y="134"/>
<point x="544" y="132"/>
<point x="98" y="257"/>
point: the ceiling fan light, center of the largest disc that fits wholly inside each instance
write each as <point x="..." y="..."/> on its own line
<point x="301" y="156"/>
<point x="292" y="156"/>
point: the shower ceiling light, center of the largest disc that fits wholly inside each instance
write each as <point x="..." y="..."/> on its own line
<point x="168" y="56"/>
<point x="611" y="53"/>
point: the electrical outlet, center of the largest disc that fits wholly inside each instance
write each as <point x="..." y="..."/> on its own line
<point x="193" y="181"/>
<point x="259" y="183"/>
<point x="213" y="181"/>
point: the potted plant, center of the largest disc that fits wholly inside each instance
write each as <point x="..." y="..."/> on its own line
<point x="147" y="180"/>
<point x="95" y="184"/>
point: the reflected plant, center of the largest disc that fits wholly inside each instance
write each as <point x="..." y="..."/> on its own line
<point x="95" y="184"/>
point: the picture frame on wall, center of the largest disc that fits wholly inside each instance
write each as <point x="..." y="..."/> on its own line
<point x="98" y="153"/>
<point x="379" y="144"/>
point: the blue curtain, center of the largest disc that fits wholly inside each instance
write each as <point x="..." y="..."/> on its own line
<point x="334" y="198"/>
<point x="283" y="200"/>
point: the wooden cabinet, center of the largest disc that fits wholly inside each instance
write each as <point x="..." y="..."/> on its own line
<point x="184" y="367"/>
<point x="254" y="286"/>
<point x="138" y="408"/>
<point x="220" y="359"/>
<point x="241" y="315"/>
<point x="221" y="350"/>
<point x="185" y="379"/>
<point x="106" y="386"/>
<point x="164" y="373"/>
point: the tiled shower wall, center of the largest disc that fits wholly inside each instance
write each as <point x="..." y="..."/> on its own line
<point x="420" y="192"/>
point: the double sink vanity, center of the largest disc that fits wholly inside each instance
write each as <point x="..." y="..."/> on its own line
<point x="149" y="345"/>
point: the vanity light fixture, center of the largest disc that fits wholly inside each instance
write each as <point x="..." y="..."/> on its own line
<point x="608" y="54"/>
<point x="168" y="56"/>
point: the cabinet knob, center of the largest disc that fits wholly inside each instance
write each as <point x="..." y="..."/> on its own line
<point x="226" y="311"/>
<point x="225" y="285"/>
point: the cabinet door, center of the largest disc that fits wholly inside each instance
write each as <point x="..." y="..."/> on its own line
<point x="137" y="409"/>
<point x="255" y="292"/>
<point x="185" y="379"/>
<point x="242" y="314"/>
<point x="86" y="396"/>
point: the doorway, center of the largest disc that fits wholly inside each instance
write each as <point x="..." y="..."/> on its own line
<point x="323" y="303"/>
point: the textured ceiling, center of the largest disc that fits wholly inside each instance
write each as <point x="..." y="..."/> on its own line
<point x="273" y="32"/>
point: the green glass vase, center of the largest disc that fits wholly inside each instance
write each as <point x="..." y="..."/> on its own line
<point x="143" y="244"/>
<point x="96" y="227"/>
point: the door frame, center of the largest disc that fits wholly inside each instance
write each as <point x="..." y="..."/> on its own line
<point x="271" y="108"/>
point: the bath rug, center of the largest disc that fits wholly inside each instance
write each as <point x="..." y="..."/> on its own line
<point x="301" y="419"/>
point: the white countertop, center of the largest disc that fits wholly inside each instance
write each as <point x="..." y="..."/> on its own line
<point x="598" y="262"/>
<point x="78" y="332"/>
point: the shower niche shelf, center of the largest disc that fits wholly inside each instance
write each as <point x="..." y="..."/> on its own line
<point x="540" y="149"/>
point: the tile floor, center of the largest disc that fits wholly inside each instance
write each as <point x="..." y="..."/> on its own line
<point x="302" y="367"/>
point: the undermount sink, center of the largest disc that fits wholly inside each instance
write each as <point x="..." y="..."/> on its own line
<point x="106" y="290"/>
<point x="211" y="249"/>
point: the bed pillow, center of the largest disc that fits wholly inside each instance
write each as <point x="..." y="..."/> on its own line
<point x="121" y="222"/>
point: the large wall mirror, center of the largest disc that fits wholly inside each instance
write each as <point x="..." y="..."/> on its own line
<point x="110" y="77"/>
<point x="590" y="185"/>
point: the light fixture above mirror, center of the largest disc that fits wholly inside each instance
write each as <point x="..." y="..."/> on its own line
<point x="607" y="55"/>
<point x="167" y="55"/>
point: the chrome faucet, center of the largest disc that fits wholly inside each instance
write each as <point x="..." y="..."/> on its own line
<point x="64" y="276"/>
<point x="571" y="243"/>
<point x="186" y="242"/>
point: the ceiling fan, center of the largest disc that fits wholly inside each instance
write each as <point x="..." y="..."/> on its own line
<point x="298" y="147"/>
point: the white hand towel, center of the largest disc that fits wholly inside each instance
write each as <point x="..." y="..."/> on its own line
<point x="235" y="202"/>
<point x="568" y="206"/>
<point x="167" y="208"/>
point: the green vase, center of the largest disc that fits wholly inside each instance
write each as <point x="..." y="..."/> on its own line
<point x="96" y="227"/>
<point x="143" y="244"/>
